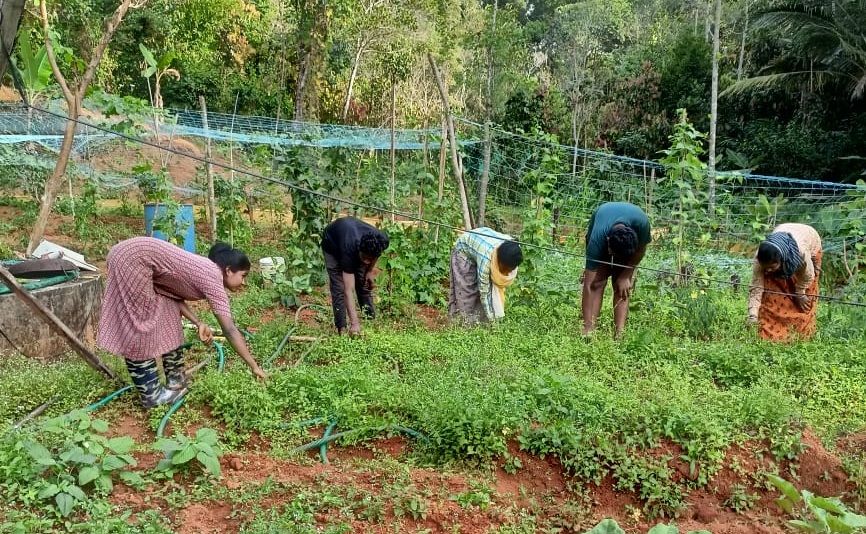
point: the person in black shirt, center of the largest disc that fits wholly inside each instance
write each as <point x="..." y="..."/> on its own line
<point x="352" y="248"/>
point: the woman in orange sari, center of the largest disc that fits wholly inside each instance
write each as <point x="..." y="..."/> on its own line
<point x="784" y="289"/>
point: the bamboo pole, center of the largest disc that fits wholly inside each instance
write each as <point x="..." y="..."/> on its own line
<point x="211" y="195"/>
<point x="455" y="160"/>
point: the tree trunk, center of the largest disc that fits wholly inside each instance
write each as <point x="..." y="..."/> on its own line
<point x="714" y="113"/>
<point x="312" y="41"/>
<point x="392" y="204"/>
<point x="488" y="112"/>
<point x="455" y="159"/>
<point x="73" y="96"/>
<point x="743" y="44"/>
<point x="352" y="77"/>
<point x="52" y="186"/>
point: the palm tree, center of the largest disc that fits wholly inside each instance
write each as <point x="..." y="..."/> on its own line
<point x="825" y="48"/>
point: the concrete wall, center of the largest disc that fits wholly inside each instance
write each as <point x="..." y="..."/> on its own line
<point x="76" y="303"/>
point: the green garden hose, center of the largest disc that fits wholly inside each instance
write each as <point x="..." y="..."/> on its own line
<point x="323" y="448"/>
<point x="280" y="347"/>
<point x="162" y="424"/>
<point x="338" y="435"/>
<point x="174" y="407"/>
<point x="107" y="399"/>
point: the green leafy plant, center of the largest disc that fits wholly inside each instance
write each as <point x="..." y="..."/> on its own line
<point x="183" y="453"/>
<point x="157" y="188"/>
<point x="293" y="278"/>
<point x="610" y="526"/>
<point x="741" y="500"/>
<point x="685" y="171"/>
<point x="813" y="513"/>
<point x="73" y="457"/>
<point x="157" y="68"/>
<point x="478" y="496"/>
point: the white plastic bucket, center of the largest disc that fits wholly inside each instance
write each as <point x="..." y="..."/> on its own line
<point x="269" y="266"/>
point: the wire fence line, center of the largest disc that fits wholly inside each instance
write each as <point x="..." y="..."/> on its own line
<point x="529" y="176"/>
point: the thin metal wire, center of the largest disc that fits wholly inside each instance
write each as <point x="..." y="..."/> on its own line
<point x="411" y="217"/>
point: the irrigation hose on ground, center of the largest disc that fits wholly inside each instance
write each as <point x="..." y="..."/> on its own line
<point x="323" y="448"/>
<point x="174" y="407"/>
<point x="328" y="438"/>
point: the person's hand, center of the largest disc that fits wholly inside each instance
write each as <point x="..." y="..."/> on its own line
<point x="624" y="285"/>
<point x="803" y="302"/>
<point x="260" y="374"/>
<point x="370" y="278"/>
<point x="205" y="334"/>
<point x="355" y="330"/>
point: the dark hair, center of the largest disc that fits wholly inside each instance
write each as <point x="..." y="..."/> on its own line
<point x="225" y="256"/>
<point x="509" y="255"/>
<point x="622" y="241"/>
<point x="769" y="253"/>
<point x="373" y="244"/>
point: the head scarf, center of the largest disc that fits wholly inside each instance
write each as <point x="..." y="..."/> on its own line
<point x="791" y="258"/>
<point x="499" y="282"/>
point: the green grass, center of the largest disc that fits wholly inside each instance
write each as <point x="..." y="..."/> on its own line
<point x="688" y="371"/>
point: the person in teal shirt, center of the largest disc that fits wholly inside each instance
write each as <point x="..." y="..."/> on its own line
<point x="616" y="242"/>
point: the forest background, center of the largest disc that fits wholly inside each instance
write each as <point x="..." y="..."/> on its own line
<point x="598" y="74"/>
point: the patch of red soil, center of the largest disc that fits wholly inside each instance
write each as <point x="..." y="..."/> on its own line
<point x="432" y="318"/>
<point x="540" y="485"/>
<point x="536" y="477"/>
<point x="207" y="518"/>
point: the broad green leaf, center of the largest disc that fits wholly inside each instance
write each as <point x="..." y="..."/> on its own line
<point x="206" y="435"/>
<point x="76" y="492"/>
<point x="132" y="478"/>
<point x="661" y="528"/>
<point x="112" y="462"/>
<point x="184" y="455"/>
<point x="837" y="525"/>
<point x="87" y="475"/>
<point x="121" y="444"/>
<point x="210" y="463"/>
<point x="784" y="504"/>
<point x="787" y="489"/>
<point x="82" y="458"/>
<point x="104" y="483"/>
<point x="806" y="526"/>
<point x="164" y="464"/>
<point x="207" y="449"/>
<point x="38" y="451"/>
<point x="831" y="505"/>
<point x="607" y="526"/>
<point x="168" y="446"/>
<point x="48" y="491"/>
<point x="854" y="520"/>
<point x="148" y="56"/>
<point x="99" y="425"/>
<point x="65" y="502"/>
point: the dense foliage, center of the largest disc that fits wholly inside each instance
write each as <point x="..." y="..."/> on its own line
<point x="599" y="74"/>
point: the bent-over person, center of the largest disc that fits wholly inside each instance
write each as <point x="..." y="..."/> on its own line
<point x="149" y="282"/>
<point x="483" y="264"/>
<point x="352" y="249"/>
<point x="616" y="242"/>
<point x="784" y="288"/>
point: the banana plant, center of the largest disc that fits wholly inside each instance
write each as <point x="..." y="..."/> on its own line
<point x="34" y="67"/>
<point x="157" y="68"/>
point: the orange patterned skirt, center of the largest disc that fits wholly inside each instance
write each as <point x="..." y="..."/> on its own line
<point x="779" y="318"/>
